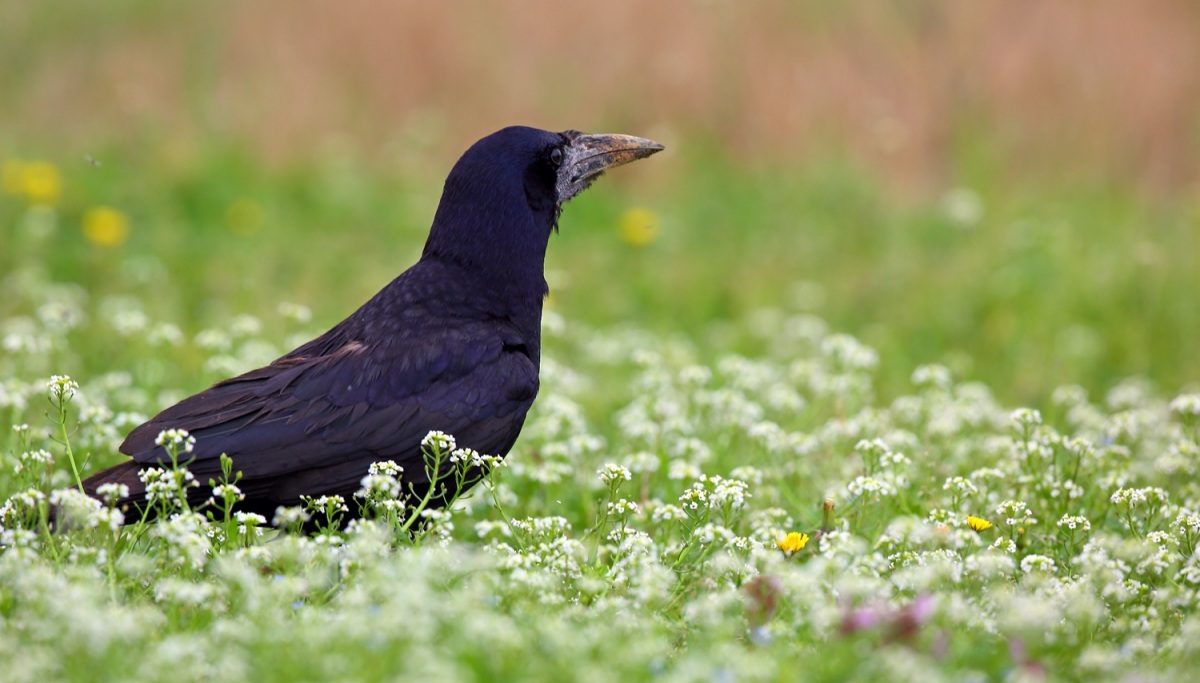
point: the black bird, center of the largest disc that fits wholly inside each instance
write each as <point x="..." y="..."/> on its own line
<point x="452" y="344"/>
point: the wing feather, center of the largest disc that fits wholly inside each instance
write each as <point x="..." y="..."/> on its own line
<point x="305" y="415"/>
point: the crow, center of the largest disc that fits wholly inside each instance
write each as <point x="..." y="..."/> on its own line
<point x="453" y="344"/>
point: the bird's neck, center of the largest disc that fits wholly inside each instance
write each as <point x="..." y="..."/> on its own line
<point x="513" y="294"/>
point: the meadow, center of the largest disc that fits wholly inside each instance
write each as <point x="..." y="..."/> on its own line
<point x="804" y="414"/>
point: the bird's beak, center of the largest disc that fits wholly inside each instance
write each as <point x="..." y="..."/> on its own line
<point x="595" y="154"/>
<point x="588" y="156"/>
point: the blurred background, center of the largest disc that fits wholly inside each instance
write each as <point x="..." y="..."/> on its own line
<point x="1008" y="187"/>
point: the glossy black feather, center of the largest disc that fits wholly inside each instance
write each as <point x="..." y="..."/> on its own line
<point x="452" y="344"/>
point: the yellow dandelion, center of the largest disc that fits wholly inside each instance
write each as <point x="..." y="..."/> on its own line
<point x="104" y="226"/>
<point x="638" y="227"/>
<point x="978" y="523"/>
<point x="792" y="543"/>
<point x="39" y="181"/>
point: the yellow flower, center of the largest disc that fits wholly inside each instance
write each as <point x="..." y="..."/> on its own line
<point x="104" y="226"/>
<point x="638" y="227"/>
<point x="792" y="543"/>
<point x="978" y="523"/>
<point x="38" y="181"/>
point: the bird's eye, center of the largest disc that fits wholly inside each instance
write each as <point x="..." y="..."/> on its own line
<point x="556" y="156"/>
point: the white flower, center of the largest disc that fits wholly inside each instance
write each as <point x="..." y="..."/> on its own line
<point x="1186" y="405"/>
<point x="612" y="473"/>
<point x="386" y="467"/>
<point x="1074" y="522"/>
<point x="1016" y="513"/>
<point x="438" y="440"/>
<point x="110" y="493"/>
<point x="173" y="439"/>
<point x="289" y="515"/>
<point x="959" y="485"/>
<point x="666" y="513"/>
<point x="870" y="486"/>
<point x="1037" y="563"/>
<point x="728" y="492"/>
<point x="222" y="491"/>
<point x="932" y="376"/>
<point x="62" y="388"/>
<point x="1025" y="418"/>
<point x="623" y="507"/>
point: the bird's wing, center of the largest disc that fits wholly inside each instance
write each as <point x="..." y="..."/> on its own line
<point x="354" y="402"/>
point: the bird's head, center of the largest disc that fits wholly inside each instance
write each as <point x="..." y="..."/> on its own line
<point x="503" y="197"/>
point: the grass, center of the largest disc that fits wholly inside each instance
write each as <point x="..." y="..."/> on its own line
<point x="1022" y="290"/>
<point x="899" y="383"/>
<point x="702" y="398"/>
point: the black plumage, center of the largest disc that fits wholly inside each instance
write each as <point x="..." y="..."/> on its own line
<point x="452" y="344"/>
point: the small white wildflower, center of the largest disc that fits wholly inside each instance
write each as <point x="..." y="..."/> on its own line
<point x="245" y="326"/>
<point x="289" y="515"/>
<point x="960" y="486"/>
<point x="1016" y="513"/>
<point x="188" y="542"/>
<point x="222" y="491"/>
<point x="667" y="513"/>
<point x="249" y="520"/>
<point x="711" y="532"/>
<point x="1025" y="418"/>
<point x="870" y="486"/>
<point x="295" y="312"/>
<point x="176" y="438"/>
<point x="641" y="462"/>
<point x="464" y="456"/>
<point x="1186" y="522"/>
<point x="29" y="499"/>
<point x="731" y="493"/>
<point x="438" y="440"/>
<point x="747" y="473"/>
<point x="1140" y="497"/>
<point x="62" y="388"/>
<point x="165" y="333"/>
<point x="612" y="473"/>
<point x="79" y="510"/>
<point x="1037" y="563"/>
<point x="386" y="467"/>
<point x="1069" y="395"/>
<point x="487" y="527"/>
<point x="623" y="507"/>
<point x="379" y="486"/>
<point x="932" y="376"/>
<point x="695" y="498"/>
<point x="1186" y="405"/>
<point x="1005" y="544"/>
<point x="111" y="493"/>
<point x="336" y="503"/>
<point x="1074" y="522"/>
<point x="167" y="486"/>
<point x="683" y="469"/>
<point x="19" y="542"/>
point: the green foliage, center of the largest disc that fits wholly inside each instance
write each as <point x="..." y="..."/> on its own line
<point x="672" y="510"/>
<point x="1021" y="290"/>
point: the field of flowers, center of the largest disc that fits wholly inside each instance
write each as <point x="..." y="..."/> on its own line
<point x="673" y="511"/>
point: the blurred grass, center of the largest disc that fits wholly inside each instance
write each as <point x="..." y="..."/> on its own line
<point x="1007" y="188"/>
<point x="1019" y="287"/>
